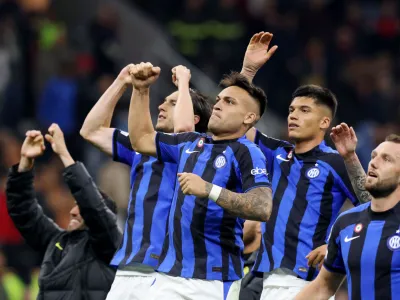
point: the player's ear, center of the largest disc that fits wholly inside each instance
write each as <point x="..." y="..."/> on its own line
<point x="250" y="118"/>
<point x="325" y="123"/>
<point x="196" y="119"/>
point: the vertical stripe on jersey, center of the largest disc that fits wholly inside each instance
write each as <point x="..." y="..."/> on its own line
<point x="149" y="207"/>
<point x="297" y="216"/>
<point x="173" y="259"/>
<point x="292" y="213"/>
<point x="353" y="259"/>
<point x="177" y="223"/>
<point x="230" y="249"/>
<point x="196" y="227"/>
<point x="383" y="265"/>
<point x="281" y="183"/>
<point x="131" y="209"/>
<point x="318" y="231"/>
<point x="367" y="267"/>
<point x="137" y="234"/>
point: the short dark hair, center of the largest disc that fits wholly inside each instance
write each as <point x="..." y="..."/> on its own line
<point x="320" y="95"/>
<point x="239" y="80"/>
<point x="394" y="138"/>
<point x="109" y="202"/>
<point x="202" y="107"/>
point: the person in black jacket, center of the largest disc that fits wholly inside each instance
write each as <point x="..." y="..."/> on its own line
<point x="75" y="264"/>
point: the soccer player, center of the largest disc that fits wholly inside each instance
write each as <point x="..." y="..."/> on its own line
<point x="75" y="261"/>
<point x="221" y="179"/>
<point x="152" y="182"/>
<point x="364" y="242"/>
<point x="309" y="183"/>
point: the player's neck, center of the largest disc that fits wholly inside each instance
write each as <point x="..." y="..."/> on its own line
<point x="305" y="146"/>
<point x="229" y="136"/>
<point x="387" y="203"/>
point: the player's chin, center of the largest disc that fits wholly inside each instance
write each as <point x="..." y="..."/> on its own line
<point x="163" y="127"/>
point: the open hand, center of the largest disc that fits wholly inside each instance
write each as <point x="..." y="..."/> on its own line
<point x="192" y="184"/>
<point x="179" y="74"/>
<point x="143" y="75"/>
<point x="345" y="139"/>
<point x="258" y="52"/>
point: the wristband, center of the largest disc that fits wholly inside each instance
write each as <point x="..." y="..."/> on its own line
<point x="215" y="192"/>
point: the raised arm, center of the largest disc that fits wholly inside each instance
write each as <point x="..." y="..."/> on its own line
<point x="184" y="113"/>
<point x="23" y="208"/>
<point x="96" y="128"/>
<point x="345" y="141"/>
<point x="141" y="130"/>
<point x="257" y="54"/>
<point x="101" y="221"/>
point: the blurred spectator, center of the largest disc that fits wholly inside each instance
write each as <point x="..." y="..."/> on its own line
<point x="104" y="38"/>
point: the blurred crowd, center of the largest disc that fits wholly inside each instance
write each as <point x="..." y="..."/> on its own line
<point x="51" y="72"/>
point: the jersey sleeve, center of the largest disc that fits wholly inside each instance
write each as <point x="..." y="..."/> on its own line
<point x="344" y="180"/>
<point x="252" y="168"/>
<point x="333" y="258"/>
<point x="269" y="142"/>
<point x="121" y="149"/>
<point x="169" y="145"/>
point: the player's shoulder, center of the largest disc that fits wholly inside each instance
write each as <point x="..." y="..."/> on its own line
<point x="330" y="156"/>
<point x="263" y="138"/>
<point x="244" y="145"/>
<point x="353" y="215"/>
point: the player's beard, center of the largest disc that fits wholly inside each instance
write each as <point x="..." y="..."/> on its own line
<point x="381" y="190"/>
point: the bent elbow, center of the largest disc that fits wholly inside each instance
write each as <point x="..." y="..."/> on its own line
<point x="183" y="128"/>
<point x="84" y="133"/>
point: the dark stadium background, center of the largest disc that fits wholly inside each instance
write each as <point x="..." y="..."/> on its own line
<point x="57" y="57"/>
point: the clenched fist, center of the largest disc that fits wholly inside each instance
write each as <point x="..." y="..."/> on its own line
<point x="124" y="76"/>
<point x="192" y="184"/>
<point x="143" y="75"/>
<point x="33" y="145"/>
<point x="180" y="74"/>
<point x="56" y="139"/>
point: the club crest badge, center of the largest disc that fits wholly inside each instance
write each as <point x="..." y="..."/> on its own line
<point x="313" y="173"/>
<point x="220" y="162"/>
<point x="393" y="242"/>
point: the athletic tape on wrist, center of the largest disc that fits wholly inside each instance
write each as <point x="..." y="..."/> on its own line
<point x="215" y="192"/>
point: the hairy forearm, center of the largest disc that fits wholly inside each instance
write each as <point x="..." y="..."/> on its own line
<point x="255" y="205"/>
<point x="357" y="177"/>
<point x="139" y="121"/>
<point x="101" y="114"/>
<point x="184" y="114"/>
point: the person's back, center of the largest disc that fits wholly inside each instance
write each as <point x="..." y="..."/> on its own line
<point x="75" y="264"/>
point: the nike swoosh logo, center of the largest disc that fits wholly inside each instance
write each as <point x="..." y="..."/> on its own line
<point x="347" y="239"/>
<point x="190" y="152"/>
<point x="281" y="158"/>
